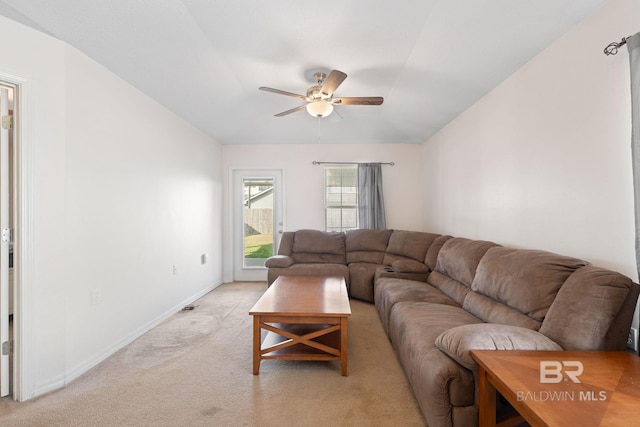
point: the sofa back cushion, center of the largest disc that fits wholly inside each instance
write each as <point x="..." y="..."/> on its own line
<point x="456" y="266"/>
<point x="286" y="243"/>
<point x="312" y="246"/>
<point x="592" y="311"/>
<point x="408" y="245"/>
<point x="431" y="258"/>
<point x="517" y="286"/>
<point x="364" y="245"/>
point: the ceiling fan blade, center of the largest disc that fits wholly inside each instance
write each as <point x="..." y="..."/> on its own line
<point x="332" y="82"/>
<point x="293" y="110"/>
<point x="282" y="92"/>
<point x="358" y="100"/>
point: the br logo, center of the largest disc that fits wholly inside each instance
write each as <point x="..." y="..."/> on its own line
<point x="553" y="371"/>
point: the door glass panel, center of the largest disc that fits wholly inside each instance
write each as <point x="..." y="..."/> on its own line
<point x="258" y="201"/>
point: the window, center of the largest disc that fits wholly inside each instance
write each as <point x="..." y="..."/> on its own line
<point x="341" y="197"/>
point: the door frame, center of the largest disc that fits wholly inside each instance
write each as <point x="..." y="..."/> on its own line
<point x="5" y="210"/>
<point x="253" y="274"/>
<point x="23" y="175"/>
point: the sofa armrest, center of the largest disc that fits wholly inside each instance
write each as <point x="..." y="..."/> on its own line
<point x="279" y="261"/>
<point x="459" y="341"/>
<point x="409" y="266"/>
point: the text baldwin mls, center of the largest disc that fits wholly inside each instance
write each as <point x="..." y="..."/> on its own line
<point x="555" y="372"/>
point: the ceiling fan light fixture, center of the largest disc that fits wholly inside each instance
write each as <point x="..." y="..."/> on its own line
<point x="320" y="96"/>
<point x="319" y="108"/>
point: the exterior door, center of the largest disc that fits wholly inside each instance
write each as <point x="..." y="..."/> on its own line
<point x="258" y="221"/>
<point x="4" y="242"/>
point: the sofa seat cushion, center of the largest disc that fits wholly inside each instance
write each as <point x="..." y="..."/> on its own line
<point x="438" y="382"/>
<point x="459" y="341"/>
<point x="389" y="291"/>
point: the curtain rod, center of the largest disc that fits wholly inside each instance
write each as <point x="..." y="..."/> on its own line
<point x="612" y="48"/>
<point x="347" y="163"/>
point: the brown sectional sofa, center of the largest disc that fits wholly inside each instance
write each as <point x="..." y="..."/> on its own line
<point x="439" y="297"/>
<point x="356" y="255"/>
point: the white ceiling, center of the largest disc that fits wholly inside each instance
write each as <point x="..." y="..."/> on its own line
<point x="205" y="59"/>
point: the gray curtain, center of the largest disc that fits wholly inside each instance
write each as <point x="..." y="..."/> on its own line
<point x="370" y="199"/>
<point x="633" y="44"/>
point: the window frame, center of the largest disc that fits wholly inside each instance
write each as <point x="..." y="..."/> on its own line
<point x="344" y="223"/>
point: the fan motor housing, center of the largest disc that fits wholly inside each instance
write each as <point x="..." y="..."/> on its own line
<point x="315" y="92"/>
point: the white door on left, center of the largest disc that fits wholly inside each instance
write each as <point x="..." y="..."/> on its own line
<point x="5" y="238"/>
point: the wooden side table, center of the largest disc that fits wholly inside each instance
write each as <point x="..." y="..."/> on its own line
<point x="556" y="388"/>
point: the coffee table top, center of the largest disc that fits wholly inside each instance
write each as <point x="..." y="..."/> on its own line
<point x="305" y="296"/>
<point x="608" y="391"/>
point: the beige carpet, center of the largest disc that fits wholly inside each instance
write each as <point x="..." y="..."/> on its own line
<point x="195" y="369"/>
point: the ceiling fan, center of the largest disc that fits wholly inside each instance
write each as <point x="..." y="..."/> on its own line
<point x="320" y="99"/>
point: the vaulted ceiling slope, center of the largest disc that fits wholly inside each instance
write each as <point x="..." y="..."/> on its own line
<point x="205" y="59"/>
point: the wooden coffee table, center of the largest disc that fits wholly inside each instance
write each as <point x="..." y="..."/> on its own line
<point x="542" y="387"/>
<point x="306" y="319"/>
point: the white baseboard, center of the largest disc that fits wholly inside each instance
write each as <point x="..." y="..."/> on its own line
<point x="78" y="370"/>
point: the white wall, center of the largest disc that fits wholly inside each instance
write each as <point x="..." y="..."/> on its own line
<point x="42" y="279"/>
<point x="304" y="182"/>
<point x="121" y="191"/>
<point x="143" y="191"/>
<point x="544" y="160"/>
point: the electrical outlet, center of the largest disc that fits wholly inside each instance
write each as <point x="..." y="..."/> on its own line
<point x="632" y="341"/>
<point x="95" y="297"/>
<point x="175" y="270"/>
